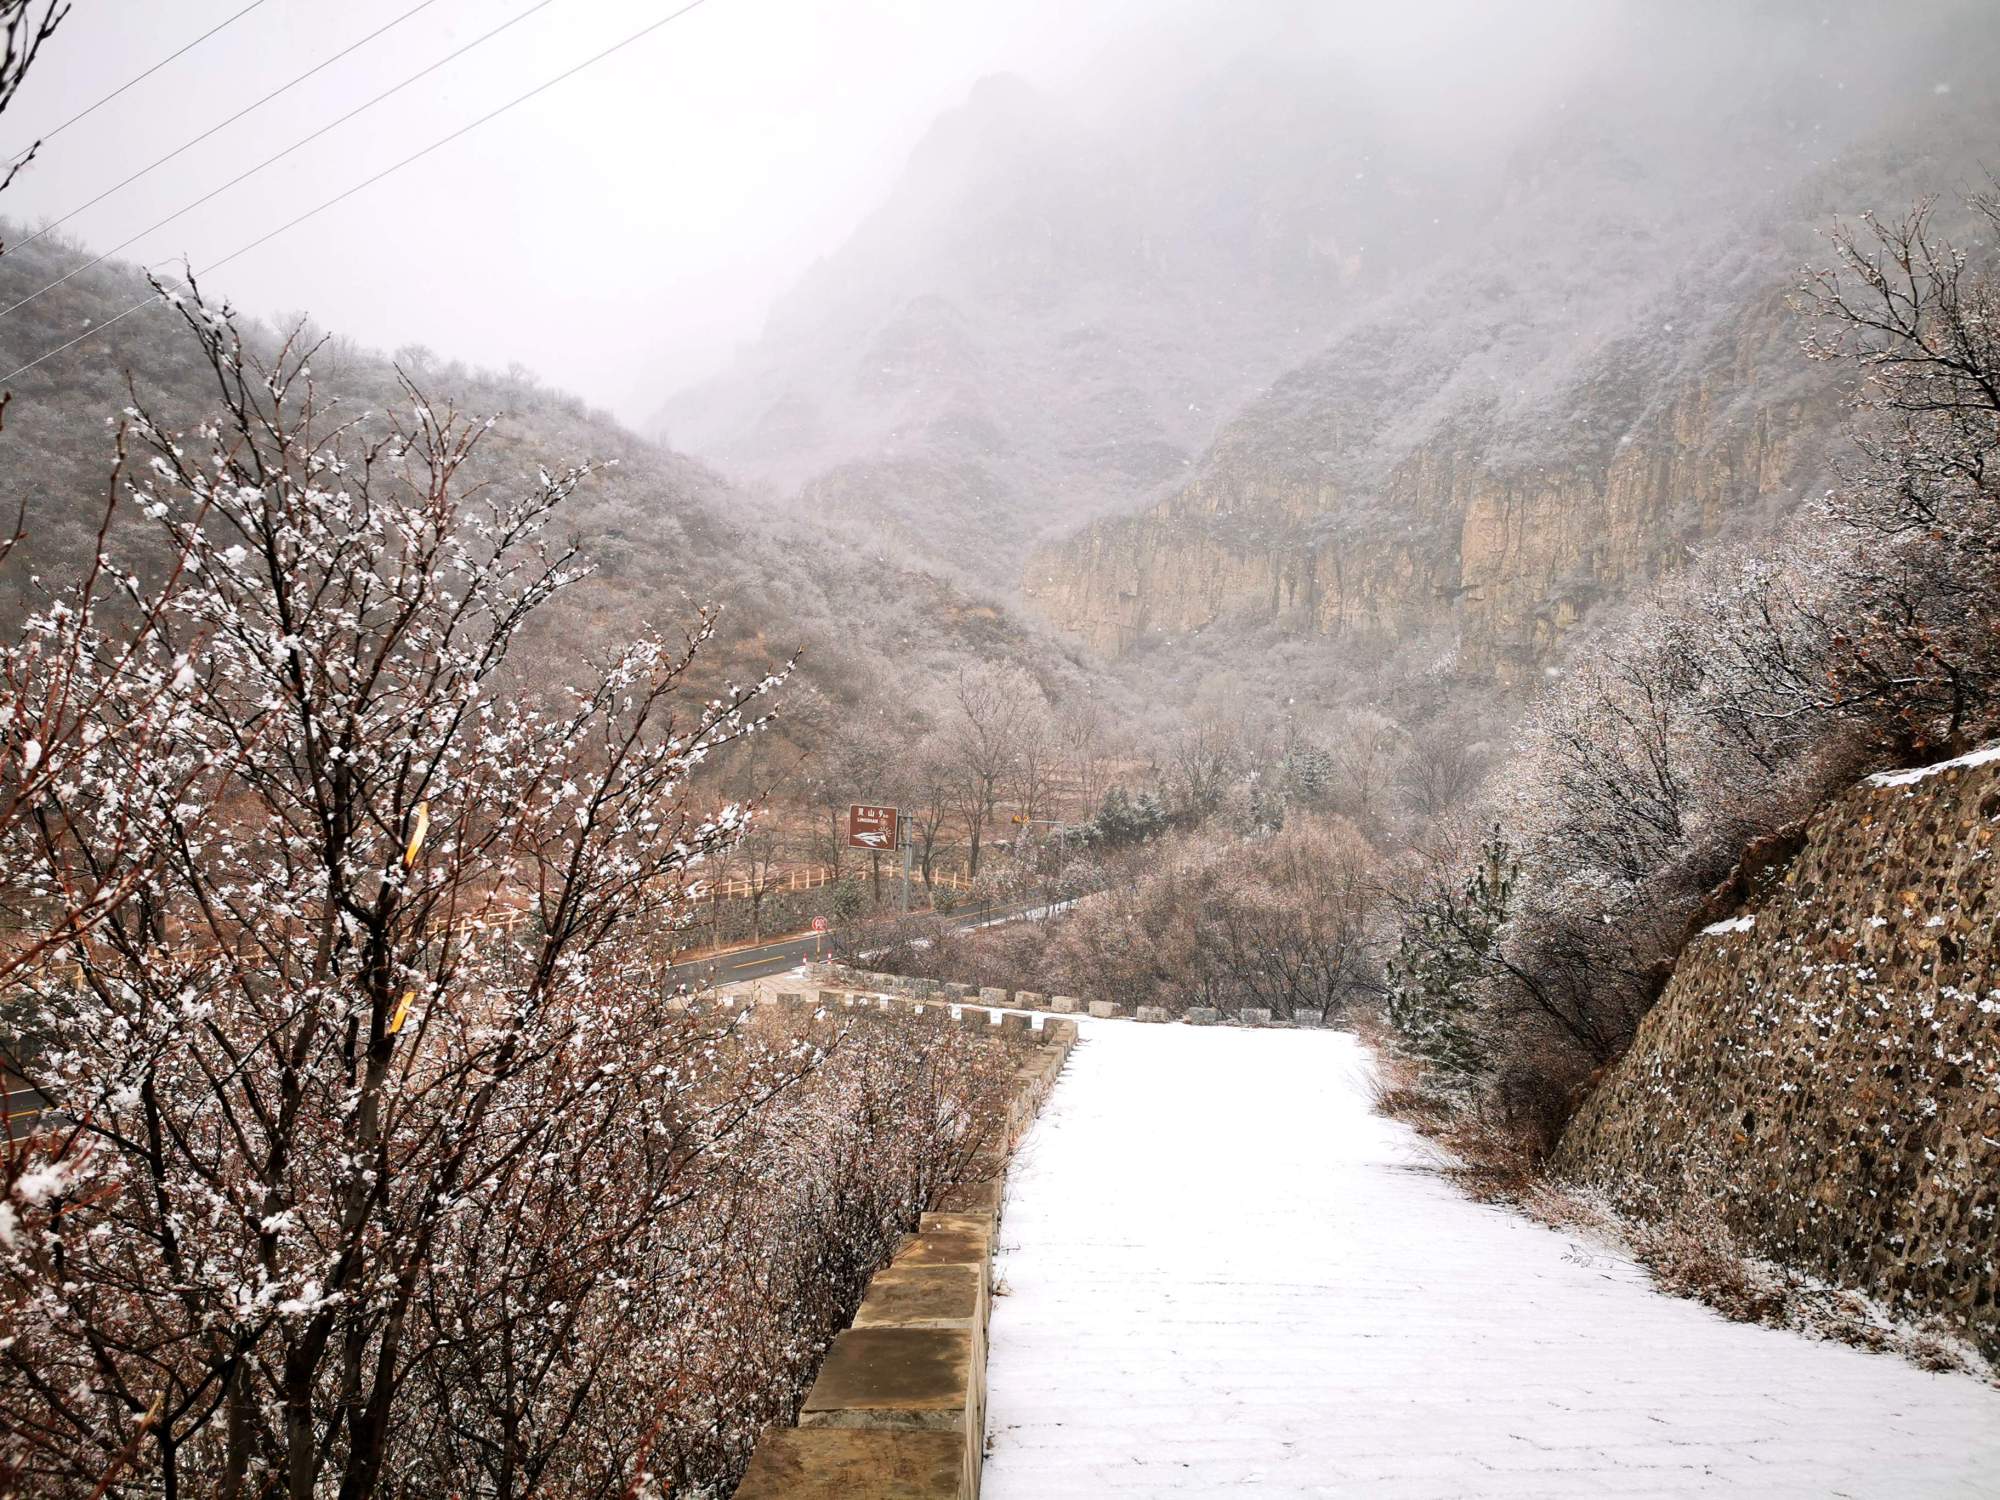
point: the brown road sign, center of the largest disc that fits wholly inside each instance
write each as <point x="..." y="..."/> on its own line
<point x="871" y="827"/>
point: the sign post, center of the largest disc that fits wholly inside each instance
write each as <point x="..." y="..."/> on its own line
<point x="870" y="827"/>
<point x="878" y="829"/>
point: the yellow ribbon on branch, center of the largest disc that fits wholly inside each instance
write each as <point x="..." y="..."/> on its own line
<point x="417" y="838"/>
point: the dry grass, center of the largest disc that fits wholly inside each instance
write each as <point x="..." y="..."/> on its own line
<point x="1492" y="1163"/>
<point x="1687" y="1255"/>
<point x="1697" y="1257"/>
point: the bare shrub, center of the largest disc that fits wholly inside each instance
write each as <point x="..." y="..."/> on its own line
<point x="1283" y="923"/>
<point x="377" y="1160"/>
<point x="1659" y="778"/>
<point x="25" y="28"/>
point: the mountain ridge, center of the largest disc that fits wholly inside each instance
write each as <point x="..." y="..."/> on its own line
<point x="1376" y="335"/>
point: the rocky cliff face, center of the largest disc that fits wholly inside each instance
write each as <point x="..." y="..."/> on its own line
<point x="1274" y="345"/>
<point x="1507" y="555"/>
<point x="1555" y="410"/>
<point x="1825" y="1067"/>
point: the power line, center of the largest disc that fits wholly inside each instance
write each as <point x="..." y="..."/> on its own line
<point x="95" y="328"/>
<point x="241" y="177"/>
<point x="141" y="78"/>
<point x="415" y="156"/>
<point x="213" y="129"/>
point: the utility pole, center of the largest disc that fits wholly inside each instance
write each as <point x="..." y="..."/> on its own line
<point x="908" y="846"/>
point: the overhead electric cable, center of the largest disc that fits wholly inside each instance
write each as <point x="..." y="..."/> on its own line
<point x="303" y="141"/>
<point x="48" y="136"/>
<point x="319" y="67"/>
<point x="415" y="156"/>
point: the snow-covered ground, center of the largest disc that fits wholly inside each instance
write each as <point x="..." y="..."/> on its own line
<point x="1223" y="1275"/>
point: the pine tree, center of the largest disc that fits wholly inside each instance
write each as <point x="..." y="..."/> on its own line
<point x="1124" y="820"/>
<point x="1149" y="815"/>
<point x="1113" y="824"/>
<point x="1308" y="773"/>
<point x="1448" y="943"/>
<point x="1266" y="812"/>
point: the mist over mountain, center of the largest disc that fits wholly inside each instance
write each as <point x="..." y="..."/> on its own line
<point x="665" y="534"/>
<point x="1253" y="339"/>
<point x="1296" y="339"/>
<point x="1053" y="312"/>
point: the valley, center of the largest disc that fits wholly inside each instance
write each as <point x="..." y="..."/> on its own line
<point x="1260" y="757"/>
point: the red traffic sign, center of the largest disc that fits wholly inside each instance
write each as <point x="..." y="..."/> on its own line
<point x="871" y="827"/>
<point x="820" y="924"/>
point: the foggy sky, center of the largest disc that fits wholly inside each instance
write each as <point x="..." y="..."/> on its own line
<point x="623" y="232"/>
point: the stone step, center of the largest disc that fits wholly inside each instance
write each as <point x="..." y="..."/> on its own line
<point x="898" y="1409"/>
<point x="917" y="1378"/>
<point x="909" y="1296"/>
<point x="905" y="1380"/>
<point x="833" y="1463"/>
<point x="974" y="1197"/>
<point x="949" y="1239"/>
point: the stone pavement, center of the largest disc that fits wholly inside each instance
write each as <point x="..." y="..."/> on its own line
<point x="1221" y="1274"/>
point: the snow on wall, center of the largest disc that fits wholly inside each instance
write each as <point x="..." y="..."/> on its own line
<point x="1830" y="1074"/>
<point x="1920" y="773"/>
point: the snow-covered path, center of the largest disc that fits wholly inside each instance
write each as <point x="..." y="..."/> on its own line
<point x="1223" y="1275"/>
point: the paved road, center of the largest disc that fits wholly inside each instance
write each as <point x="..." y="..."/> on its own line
<point x="1224" y="1276"/>
<point x="788" y="953"/>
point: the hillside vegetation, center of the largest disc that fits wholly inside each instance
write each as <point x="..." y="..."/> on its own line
<point x="666" y="534"/>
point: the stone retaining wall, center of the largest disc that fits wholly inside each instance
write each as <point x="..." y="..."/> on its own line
<point x="1824" y="1068"/>
<point x="903" y="986"/>
<point x="899" y="1409"/>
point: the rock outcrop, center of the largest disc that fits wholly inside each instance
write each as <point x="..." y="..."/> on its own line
<point x="1248" y="290"/>
<point x="1287" y="526"/>
<point x="1823" y="1070"/>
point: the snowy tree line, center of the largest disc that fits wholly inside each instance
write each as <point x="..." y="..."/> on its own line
<point x="1231" y="860"/>
<point x="1673" y="765"/>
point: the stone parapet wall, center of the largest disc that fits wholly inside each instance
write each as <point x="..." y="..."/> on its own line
<point x="898" y="1411"/>
<point x="1823" y="1070"/>
<point x="904" y="987"/>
